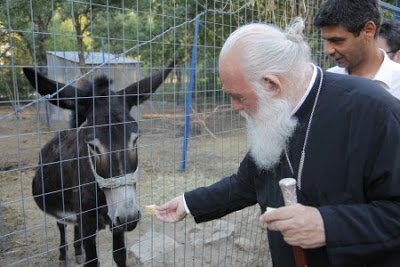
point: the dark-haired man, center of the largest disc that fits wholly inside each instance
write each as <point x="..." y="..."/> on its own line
<point x="350" y="28"/>
<point x="389" y="39"/>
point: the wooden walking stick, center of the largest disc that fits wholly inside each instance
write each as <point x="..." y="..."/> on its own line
<point x="288" y="188"/>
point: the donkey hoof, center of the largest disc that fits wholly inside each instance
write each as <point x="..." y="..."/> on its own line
<point x="62" y="263"/>
<point x="79" y="259"/>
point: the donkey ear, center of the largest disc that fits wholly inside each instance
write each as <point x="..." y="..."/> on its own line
<point x="65" y="98"/>
<point x="140" y="91"/>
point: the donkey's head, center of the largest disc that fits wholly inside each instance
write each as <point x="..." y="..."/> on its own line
<point x="107" y="135"/>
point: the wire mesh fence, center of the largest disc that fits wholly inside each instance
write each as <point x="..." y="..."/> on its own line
<point x="75" y="41"/>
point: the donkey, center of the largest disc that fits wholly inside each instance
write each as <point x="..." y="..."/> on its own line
<point x="87" y="175"/>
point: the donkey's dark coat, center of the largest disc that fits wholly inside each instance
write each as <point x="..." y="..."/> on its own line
<point x="64" y="184"/>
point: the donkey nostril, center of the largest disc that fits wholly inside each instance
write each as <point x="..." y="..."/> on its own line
<point x="128" y="218"/>
<point x="121" y="220"/>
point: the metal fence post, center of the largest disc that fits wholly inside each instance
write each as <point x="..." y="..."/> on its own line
<point x="189" y="96"/>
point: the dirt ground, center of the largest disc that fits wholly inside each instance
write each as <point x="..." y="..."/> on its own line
<point x="216" y="146"/>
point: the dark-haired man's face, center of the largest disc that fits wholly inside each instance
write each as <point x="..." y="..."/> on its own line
<point x="345" y="48"/>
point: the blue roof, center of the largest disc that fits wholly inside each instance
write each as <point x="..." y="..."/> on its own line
<point x="94" y="58"/>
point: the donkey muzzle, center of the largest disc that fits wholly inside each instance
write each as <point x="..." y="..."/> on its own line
<point x="123" y="207"/>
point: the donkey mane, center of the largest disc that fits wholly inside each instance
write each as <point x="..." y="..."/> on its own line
<point x="99" y="87"/>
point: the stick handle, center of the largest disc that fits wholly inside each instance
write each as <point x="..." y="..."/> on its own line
<point x="300" y="257"/>
<point x="288" y="188"/>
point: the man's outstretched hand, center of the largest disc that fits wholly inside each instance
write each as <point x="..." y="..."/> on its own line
<point x="172" y="211"/>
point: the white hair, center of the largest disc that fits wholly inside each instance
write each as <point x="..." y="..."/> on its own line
<point x="266" y="49"/>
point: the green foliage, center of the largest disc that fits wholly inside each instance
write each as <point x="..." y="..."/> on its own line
<point x="148" y="30"/>
<point x="388" y="13"/>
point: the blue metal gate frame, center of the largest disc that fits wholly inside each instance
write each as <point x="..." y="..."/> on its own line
<point x="395" y="9"/>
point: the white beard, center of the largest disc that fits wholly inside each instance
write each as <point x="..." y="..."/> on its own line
<point x="269" y="130"/>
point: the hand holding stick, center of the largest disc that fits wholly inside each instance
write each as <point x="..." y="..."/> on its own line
<point x="288" y="188"/>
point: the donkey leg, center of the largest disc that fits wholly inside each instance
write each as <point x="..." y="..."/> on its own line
<point x="89" y="244"/>
<point x="78" y="245"/>
<point x="119" y="250"/>
<point x="63" y="246"/>
<point x="89" y="240"/>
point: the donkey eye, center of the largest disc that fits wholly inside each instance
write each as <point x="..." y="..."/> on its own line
<point x="94" y="149"/>
<point x="133" y="143"/>
<point x="132" y="146"/>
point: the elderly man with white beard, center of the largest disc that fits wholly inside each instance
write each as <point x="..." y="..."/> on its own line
<point x="338" y="136"/>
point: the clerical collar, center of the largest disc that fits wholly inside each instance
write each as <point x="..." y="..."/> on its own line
<point x="310" y="86"/>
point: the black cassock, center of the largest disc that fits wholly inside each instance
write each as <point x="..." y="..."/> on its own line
<point x="351" y="174"/>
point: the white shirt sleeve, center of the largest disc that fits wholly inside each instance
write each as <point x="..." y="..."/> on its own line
<point x="184" y="203"/>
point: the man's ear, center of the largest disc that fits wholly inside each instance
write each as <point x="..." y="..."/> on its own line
<point x="396" y="56"/>
<point x="369" y="30"/>
<point x="273" y="84"/>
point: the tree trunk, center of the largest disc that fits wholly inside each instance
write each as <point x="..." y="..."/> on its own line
<point x="81" y="47"/>
<point x="41" y="26"/>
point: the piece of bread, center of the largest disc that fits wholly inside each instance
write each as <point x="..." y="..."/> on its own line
<point x="151" y="209"/>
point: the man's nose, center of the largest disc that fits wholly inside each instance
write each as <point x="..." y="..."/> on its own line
<point x="329" y="48"/>
<point x="236" y="105"/>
